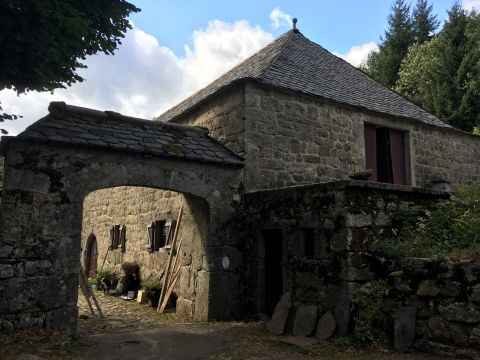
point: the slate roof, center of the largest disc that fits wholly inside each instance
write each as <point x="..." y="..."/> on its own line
<point x="295" y="63"/>
<point x="72" y="125"/>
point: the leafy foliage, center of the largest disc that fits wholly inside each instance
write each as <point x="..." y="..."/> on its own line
<point x="43" y="42"/>
<point x="417" y="75"/>
<point x="443" y="75"/>
<point x="440" y="72"/>
<point x="151" y="285"/>
<point x="446" y="229"/>
<point x="102" y="273"/>
<point x="423" y="21"/>
<point x="369" y="305"/>
<point x="384" y="64"/>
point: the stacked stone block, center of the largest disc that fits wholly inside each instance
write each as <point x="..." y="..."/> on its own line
<point x="346" y="216"/>
<point x="444" y="298"/>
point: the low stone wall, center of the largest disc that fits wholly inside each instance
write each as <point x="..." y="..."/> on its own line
<point x="434" y="306"/>
<point x="343" y="218"/>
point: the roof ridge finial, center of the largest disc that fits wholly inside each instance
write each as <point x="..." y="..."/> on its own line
<point x="294" y="24"/>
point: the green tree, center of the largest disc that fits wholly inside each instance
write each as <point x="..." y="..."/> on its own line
<point x="384" y="65"/>
<point x="416" y="76"/>
<point x="424" y="21"/>
<point x="443" y="75"/>
<point x="468" y="77"/>
<point x="44" y="42"/>
<point x="451" y="51"/>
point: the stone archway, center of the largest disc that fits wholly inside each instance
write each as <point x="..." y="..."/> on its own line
<point x="46" y="180"/>
<point x="148" y="219"/>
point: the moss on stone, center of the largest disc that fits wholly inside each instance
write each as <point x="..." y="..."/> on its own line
<point x="178" y="134"/>
<point x="174" y="148"/>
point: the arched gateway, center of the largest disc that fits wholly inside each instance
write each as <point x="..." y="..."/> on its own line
<point x="56" y="162"/>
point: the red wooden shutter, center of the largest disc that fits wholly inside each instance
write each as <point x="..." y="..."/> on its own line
<point x="371" y="150"/>
<point x="397" y="153"/>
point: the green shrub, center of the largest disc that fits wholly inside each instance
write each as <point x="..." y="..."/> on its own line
<point x="369" y="306"/>
<point x="151" y="285"/>
<point x="444" y="229"/>
<point x="102" y="273"/>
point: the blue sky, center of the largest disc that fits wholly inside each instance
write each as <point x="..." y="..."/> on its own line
<point x="177" y="47"/>
<point x="336" y="25"/>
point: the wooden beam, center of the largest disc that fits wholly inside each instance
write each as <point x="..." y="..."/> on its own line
<point x="170" y="289"/>
<point x="166" y="280"/>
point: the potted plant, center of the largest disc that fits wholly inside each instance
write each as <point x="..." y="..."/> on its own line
<point x="101" y="274"/>
<point x="152" y="289"/>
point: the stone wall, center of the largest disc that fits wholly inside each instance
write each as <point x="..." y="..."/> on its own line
<point x="346" y="218"/>
<point x="451" y="155"/>
<point x="136" y="208"/>
<point x="296" y="140"/>
<point x="223" y="116"/>
<point x="434" y="306"/>
<point x="290" y="139"/>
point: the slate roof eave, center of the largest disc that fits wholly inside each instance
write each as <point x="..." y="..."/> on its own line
<point x="5" y="141"/>
<point x="280" y="62"/>
<point x="110" y="131"/>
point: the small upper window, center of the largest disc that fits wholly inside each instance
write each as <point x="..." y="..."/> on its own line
<point x="385" y="154"/>
<point x="117" y="237"/>
<point x="160" y="234"/>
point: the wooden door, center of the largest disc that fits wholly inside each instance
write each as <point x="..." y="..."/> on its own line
<point x="92" y="258"/>
<point x="273" y="268"/>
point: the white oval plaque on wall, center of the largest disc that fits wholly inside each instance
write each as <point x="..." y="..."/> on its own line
<point x="225" y="262"/>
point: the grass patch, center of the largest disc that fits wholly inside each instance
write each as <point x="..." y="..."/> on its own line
<point x="448" y="228"/>
<point x="46" y="344"/>
<point x="262" y="342"/>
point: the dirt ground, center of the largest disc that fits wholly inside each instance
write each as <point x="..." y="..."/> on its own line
<point x="134" y="331"/>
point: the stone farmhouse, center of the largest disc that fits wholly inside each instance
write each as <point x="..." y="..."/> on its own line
<point x="259" y="163"/>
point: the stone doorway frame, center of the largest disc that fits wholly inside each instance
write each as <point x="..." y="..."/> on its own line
<point x="87" y="256"/>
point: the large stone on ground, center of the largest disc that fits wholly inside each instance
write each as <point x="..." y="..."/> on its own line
<point x="475" y="337"/>
<point x="185" y="308"/>
<point x="277" y="324"/>
<point x="342" y="318"/>
<point x="305" y="321"/>
<point x="326" y="326"/>
<point x="404" y="328"/>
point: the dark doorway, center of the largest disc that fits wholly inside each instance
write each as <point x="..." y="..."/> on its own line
<point x="92" y="256"/>
<point x="385" y="154"/>
<point x="273" y="269"/>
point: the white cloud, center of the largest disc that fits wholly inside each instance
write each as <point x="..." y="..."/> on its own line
<point x="471" y="5"/>
<point x="144" y="78"/>
<point x="280" y="19"/>
<point x="219" y="47"/>
<point x="358" y="54"/>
